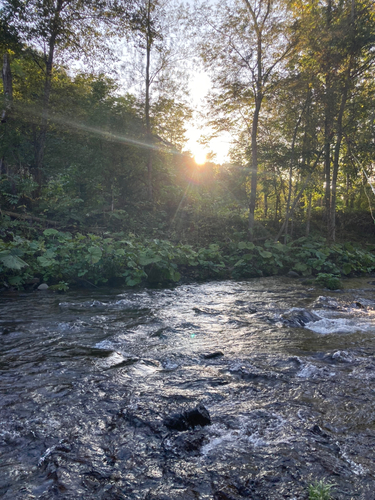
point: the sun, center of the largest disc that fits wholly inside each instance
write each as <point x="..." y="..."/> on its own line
<point x="200" y="158"/>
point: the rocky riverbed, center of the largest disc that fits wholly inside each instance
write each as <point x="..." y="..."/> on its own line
<point x="93" y="383"/>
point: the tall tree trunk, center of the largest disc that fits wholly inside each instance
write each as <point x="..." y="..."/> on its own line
<point x="336" y="158"/>
<point x="327" y="151"/>
<point x="308" y="215"/>
<point x="291" y="167"/>
<point x="277" y="205"/>
<point x="328" y="126"/>
<point x="265" y="197"/>
<point x="347" y="194"/>
<point x="41" y="143"/>
<point x="298" y="196"/>
<point x="147" y="104"/>
<point x="254" y="164"/>
<point x="7" y="87"/>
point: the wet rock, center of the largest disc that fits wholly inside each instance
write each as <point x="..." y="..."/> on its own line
<point x="315" y="429"/>
<point x="254" y="374"/>
<point x="222" y="495"/>
<point x="191" y="442"/>
<point x="188" y="419"/>
<point x="32" y="283"/>
<point x="5" y="331"/>
<point x="292" y="274"/>
<point x="341" y="357"/>
<point x="365" y="304"/>
<point x="132" y="419"/>
<point x="288" y="366"/>
<point x="43" y="286"/>
<point x="245" y="306"/>
<point x="160" y="496"/>
<point x="173" y="494"/>
<point x="205" y="310"/>
<point x="298" y="317"/>
<point x="326" y="302"/>
<point x="213" y="355"/>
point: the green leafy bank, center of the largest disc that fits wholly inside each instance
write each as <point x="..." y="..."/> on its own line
<point x="63" y="259"/>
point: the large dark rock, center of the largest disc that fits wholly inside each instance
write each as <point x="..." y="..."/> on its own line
<point x="213" y="355"/>
<point x="190" y="442"/>
<point x="188" y="419"/>
<point x="297" y="317"/>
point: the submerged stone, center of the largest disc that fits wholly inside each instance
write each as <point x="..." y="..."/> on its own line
<point x="188" y="419"/>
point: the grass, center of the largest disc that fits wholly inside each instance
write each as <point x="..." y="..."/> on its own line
<point x="320" y="490"/>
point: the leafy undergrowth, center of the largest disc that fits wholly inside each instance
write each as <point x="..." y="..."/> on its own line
<point x="63" y="259"/>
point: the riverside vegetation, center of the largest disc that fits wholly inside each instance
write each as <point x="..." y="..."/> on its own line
<point x="62" y="259"/>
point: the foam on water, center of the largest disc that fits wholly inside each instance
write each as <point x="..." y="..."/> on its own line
<point x="223" y="436"/>
<point x="310" y="371"/>
<point x="75" y="326"/>
<point x="113" y="359"/>
<point x="105" y="344"/>
<point x="357" y="469"/>
<point x="93" y="304"/>
<point x="327" y="326"/>
<point x="257" y="429"/>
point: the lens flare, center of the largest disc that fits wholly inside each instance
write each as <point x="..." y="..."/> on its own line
<point x="200" y="158"/>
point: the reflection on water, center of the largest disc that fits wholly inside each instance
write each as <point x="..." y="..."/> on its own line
<point x="87" y="379"/>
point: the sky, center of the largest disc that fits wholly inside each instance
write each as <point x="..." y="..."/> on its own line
<point x="200" y="85"/>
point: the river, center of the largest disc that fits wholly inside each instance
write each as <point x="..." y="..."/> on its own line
<point x="88" y="380"/>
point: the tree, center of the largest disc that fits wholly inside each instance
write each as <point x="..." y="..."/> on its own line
<point x="159" y="51"/>
<point x="245" y="47"/>
<point x="51" y="26"/>
<point x="336" y="43"/>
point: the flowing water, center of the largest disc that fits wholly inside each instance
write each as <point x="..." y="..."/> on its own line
<point x="87" y="380"/>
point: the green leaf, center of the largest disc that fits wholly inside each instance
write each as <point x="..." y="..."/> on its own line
<point x="347" y="268"/>
<point x="248" y="256"/>
<point x="15" y="281"/>
<point x="132" y="282"/>
<point x="44" y="261"/>
<point x="146" y="258"/>
<point x="265" y="254"/>
<point x="175" y="275"/>
<point x="242" y="245"/>
<point x="300" y="267"/>
<point x="11" y="261"/>
<point x="95" y="254"/>
<point x="50" y="232"/>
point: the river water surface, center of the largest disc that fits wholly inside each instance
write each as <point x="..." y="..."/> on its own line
<point x="286" y="372"/>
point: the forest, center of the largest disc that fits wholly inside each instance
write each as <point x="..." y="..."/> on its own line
<point x="97" y="184"/>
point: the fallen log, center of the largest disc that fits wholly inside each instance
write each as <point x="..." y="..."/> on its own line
<point x="30" y="217"/>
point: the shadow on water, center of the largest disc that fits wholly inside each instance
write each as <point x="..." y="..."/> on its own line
<point x="89" y="379"/>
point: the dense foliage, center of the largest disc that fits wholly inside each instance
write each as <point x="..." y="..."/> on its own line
<point x="95" y="185"/>
<point x="62" y="259"/>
